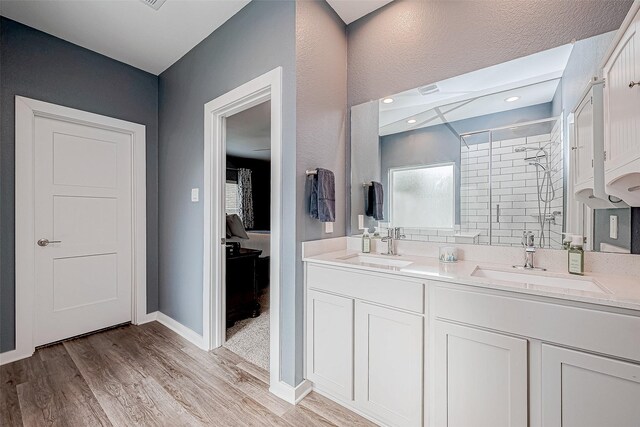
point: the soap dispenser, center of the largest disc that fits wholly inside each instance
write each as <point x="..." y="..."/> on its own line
<point x="366" y="242"/>
<point x="576" y="255"/>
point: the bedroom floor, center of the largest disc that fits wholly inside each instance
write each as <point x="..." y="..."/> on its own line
<point x="249" y="338"/>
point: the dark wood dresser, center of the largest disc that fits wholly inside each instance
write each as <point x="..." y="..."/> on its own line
<point x="242" y="285"/>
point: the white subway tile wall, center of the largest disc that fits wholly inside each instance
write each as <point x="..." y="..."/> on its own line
<point x="514" y="191"/>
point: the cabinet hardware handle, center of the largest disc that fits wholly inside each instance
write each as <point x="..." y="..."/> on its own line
<point x="632" y="83"/>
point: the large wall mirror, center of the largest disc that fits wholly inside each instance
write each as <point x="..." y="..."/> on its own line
<point x="482" y="157"/>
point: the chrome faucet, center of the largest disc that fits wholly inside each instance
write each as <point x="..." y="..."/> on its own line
<point x="528" y="242"/>
<point x="393" y="234"/>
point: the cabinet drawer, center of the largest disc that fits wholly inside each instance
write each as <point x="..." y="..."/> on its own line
<point x="399" y="293"/>
<point x="579" y="327"/>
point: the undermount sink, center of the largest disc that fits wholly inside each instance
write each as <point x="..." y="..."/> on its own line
<point x="534" y="278"/>
<point x="381" y="261"/>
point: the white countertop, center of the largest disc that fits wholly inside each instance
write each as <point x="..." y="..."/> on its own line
<point x="619" y="291"/>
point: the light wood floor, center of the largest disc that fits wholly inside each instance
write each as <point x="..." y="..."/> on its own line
<point x="148" y="375"/>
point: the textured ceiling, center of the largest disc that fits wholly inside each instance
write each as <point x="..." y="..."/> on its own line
<point x="408" y="44"/>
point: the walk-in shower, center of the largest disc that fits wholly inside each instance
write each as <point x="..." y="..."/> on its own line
<point x="511" y="180"/>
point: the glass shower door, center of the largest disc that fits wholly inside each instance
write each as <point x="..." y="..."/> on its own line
<point x="475" y="206"/>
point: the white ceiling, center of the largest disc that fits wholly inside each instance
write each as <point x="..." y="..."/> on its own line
<point x="351" y="10"/>
<point x="127" y="30"/>
<point x="249" y="133"/>
<point x="534" y="79"/>
<point x="134" y="33"/>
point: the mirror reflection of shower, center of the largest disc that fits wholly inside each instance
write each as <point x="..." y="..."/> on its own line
<point x="546" y="190"/>
<point x="512" y="181"/>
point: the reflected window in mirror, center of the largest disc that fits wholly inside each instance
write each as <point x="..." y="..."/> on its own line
<point x="423" y="196"/>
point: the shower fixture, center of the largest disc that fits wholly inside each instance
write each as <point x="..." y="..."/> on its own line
<point x="546" y="191"/>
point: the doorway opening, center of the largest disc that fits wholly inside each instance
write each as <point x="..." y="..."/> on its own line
<point x="263" y="91"/>
<point x="247" y="253"/>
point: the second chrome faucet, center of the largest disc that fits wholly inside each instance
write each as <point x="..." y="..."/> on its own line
<point x="393" y="234"/>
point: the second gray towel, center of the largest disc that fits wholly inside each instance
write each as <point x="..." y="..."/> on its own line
<point x="375" y="199"/>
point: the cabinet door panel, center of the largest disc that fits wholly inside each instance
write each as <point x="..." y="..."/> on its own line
<point x="481" y="378"/>
<point x="622" y="103"/>
<point x="330" y="343"/>
<point x="584" y="390"/>
<point x="584" y="142"/>
<point x="389" y="364"/>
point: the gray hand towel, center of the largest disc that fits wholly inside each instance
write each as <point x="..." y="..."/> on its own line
<point x="375" y="199"/>
<point x="322" y="205"/>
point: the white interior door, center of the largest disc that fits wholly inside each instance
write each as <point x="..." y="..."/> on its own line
<point x="83" y="207"/>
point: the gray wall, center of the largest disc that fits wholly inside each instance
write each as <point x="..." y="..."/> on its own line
<point x="365" y="160"/>
<point x="43" y="67"/>
<point x="260" y="38"/>
<point x="601" y="228"/>
<point x="410" y="43"/>
<point x="321" y="106"/>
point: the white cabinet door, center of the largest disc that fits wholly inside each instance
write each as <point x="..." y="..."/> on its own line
<point x="480" y="378"/>
<point x="584" y="142"/>
<point x="584" y="390"/>
<point x="389" y="364"/>
<point x="622" y="103"/>
<point x="330" y="343"/>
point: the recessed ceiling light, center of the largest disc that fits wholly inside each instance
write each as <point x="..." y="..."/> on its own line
<point x="411" y="121"/>
<point x="387" y="100"/>
<point x="512" y="98"/>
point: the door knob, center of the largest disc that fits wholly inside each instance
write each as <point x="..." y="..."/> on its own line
<point x="45" y="242"/>
<point x="632" y="83"/>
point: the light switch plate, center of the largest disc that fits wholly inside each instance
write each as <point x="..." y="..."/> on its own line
<point x="328" y="227"/>
<point x="195" y="194"/>
<point x="613" y="226"/>
<point x="360" y="222"/>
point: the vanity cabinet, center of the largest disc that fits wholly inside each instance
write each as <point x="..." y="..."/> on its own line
<point x="482" y="357"/>
<point x="389" y="364"/>
<point x="480" y="377"/>
<point x="622" y="115"/>
<point x="502" y="359"/>
<point x="365" y="342"/>
<point x="586" y="390"/>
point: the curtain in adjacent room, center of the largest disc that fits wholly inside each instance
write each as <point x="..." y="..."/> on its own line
<point x="245" y="197"/>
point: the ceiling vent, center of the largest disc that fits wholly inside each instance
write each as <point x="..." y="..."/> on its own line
<point x="428" y="90"/>
<point x="154" y="4"/>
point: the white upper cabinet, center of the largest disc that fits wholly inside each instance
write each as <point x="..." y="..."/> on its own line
<point x="622" y="115"/>
<point x="588" y="150"/>
<point x="584" y="128"/>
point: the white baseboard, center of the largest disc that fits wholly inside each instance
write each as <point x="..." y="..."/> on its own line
<point x="289" y="393"/>
<point x="181" y="330"/>
<point x="146" y="318"/>
<point x="13" y="356"/>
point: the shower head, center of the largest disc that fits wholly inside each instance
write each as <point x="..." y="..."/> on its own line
<point x="520" y="149"/>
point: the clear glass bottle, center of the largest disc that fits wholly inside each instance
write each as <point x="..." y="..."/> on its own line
<point x="366" y="243"/>
<point x="576" y="256"/>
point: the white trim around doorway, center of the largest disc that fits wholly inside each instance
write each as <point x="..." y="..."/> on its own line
<point x="263" y="88"/>
<point x="26" y="111"/>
